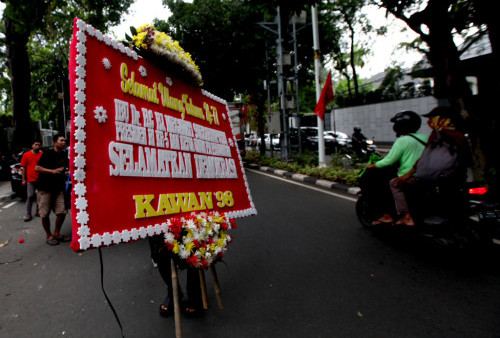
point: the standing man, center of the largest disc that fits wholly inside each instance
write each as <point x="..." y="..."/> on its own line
<point x="53" y="169"/>
<point x="30" y="176"/>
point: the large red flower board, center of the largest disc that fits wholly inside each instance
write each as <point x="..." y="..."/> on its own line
<point x="144" y="146"/>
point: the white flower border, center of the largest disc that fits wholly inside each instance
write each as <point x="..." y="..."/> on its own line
<point x="82" y="217"/>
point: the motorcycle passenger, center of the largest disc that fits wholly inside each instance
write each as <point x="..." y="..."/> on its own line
<point x="452" y="169"/>
<point x="405" y="151"/>
<point x="358" y="141"/>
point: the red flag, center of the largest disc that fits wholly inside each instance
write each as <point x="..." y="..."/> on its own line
<point x="325" y="98"/>
<point x="245" y="114"/>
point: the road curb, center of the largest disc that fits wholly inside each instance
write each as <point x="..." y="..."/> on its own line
<point x="5" y="197"/>
<point x="306" y="179"/>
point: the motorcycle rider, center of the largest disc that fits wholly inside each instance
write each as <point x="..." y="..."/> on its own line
<point x="405" y="151"/>
<point x="358" y="141"/>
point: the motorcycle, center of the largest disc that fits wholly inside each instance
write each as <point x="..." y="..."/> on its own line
<point x="477" y="224"/>
<point x="364" y="152"/>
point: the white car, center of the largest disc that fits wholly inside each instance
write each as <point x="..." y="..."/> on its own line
<point x="267" y="141"/>
<point x="341" y="138"/>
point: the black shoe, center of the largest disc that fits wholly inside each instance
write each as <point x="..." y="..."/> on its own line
<point x="28" y="218"/>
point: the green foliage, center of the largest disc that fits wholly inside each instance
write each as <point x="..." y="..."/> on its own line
<point x="230" y="47"/>
<point x="42" y="30"/>
<point x="306" y="164"/>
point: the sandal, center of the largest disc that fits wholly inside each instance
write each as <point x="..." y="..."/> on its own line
<point x="52" y="241"/>
<point x="404" y="223"/>
<point x="166" y="307"/>
<point x="382" y="221"/>
<point x="62" y="239"/>
<point x="191" y="310"/>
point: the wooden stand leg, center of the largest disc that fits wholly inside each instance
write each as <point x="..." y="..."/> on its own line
<point x="203" y="286"/>
<point x="218" y="292"/>
<point x="177" y="307"/>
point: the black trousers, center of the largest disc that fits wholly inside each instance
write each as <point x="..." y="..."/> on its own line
<point x="162" y="257"/>
<point x="375" y="186"/>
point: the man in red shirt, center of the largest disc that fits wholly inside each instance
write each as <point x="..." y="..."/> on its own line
<point x="30" y="176"/>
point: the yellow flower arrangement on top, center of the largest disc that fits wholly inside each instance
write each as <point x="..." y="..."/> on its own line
<point x="148" y="38"/>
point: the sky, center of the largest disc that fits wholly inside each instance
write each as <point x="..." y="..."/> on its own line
<point x="140" y="14"/>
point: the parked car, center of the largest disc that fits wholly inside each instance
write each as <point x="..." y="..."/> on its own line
<point x="16" y="181"/>
<point x="309" y="137"/>
<point x="267" y="140"/>
<point x="342" y="139"/>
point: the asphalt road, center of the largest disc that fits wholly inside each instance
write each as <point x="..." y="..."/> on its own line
<point x="303" y="267"/>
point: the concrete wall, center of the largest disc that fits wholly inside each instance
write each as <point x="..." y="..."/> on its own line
<point x="374" y="118"/>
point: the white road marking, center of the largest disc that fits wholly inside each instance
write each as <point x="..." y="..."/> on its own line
<point x="9" y="205"/>
<point x="352" y="199"/>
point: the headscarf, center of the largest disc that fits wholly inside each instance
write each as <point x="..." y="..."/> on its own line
<point x="441" y="123"/>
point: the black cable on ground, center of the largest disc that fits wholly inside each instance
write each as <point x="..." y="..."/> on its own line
<point x="106" y="296"/>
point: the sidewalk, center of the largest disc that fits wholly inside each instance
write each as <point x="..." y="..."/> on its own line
<point x="5" y="190"/>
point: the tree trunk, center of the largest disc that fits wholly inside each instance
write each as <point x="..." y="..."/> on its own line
<point x="450" y="82"/>
<point x="19" y="68"/>
<point x="353" y="66"/>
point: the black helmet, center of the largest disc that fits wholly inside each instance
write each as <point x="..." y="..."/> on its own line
<point x="357" y="129"/>
<point x="406" y="122"/>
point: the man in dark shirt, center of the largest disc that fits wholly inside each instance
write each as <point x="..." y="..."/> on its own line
<point x="53" y="169"/>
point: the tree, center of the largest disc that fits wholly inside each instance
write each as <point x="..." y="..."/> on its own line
<point x="436" y="22"/>
<point x="230" y="47"/>
<point x="348" y="14"/>
<point x="50" y="21"/>
<point x="20" y="20"/>
<point x="344" y="61"/>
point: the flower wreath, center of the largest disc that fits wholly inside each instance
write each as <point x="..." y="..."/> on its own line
<point x="160" y="48"/>
<point x="199" y="240"/>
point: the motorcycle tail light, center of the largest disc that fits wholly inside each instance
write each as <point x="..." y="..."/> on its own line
<point x="478" y="191"/>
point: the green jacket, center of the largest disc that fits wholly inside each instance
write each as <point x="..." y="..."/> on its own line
<point x="405" y="152"/>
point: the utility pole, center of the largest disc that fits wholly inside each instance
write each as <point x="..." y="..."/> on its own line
<point x="317" y="70"/>
<point x="296" y="70"/>
<point x="282" y="88"/>
<point x="281" y="81"/>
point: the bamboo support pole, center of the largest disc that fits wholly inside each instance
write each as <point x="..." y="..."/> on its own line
<point x="177" y="307"/>
<point x="218" y="292"/>
<point x="203" y="286"/>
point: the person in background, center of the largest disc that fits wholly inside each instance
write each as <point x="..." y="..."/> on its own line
<point x="30" y="176"/>
<point x="358" y="141"/>
<point x="53" y="169"/>
<point x="404" y="154"/>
